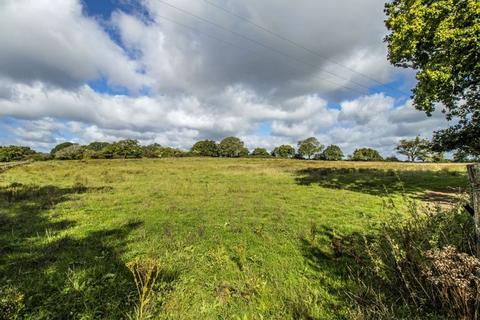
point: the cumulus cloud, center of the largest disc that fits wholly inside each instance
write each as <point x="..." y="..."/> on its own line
<point x="188" y="80"/>
<point x="53" y="41"/>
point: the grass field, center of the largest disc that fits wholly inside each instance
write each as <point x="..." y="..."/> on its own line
<point x="236" y="238"/>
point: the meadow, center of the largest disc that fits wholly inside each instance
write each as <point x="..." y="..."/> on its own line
<point x="233" y="238"/>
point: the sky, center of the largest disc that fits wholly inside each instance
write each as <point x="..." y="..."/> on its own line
<point x="177" y="71"/>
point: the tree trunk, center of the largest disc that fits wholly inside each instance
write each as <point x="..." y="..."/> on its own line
<point x="474" y="177"/>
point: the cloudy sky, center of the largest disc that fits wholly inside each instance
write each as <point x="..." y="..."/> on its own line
<point x="177" y="71"/>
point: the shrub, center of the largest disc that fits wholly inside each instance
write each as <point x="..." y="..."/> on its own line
<point x="123" y="149"/>
<point x="417" y="266"/>
<point x="73" y="152"/>
<point x="15" y="153"/>
<point x="60" y="146"/>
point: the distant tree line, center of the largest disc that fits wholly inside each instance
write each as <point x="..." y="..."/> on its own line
<point x="417" y="149"/>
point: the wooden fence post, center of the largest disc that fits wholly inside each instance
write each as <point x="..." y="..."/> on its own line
<point x="474" y="177"/>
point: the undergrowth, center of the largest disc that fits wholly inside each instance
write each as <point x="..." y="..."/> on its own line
<point x="419" y="266"/>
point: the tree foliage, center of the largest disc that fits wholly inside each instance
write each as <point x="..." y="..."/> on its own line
<point x="260" y="152"/>
<point x="97" y="146"/>
<point x="72" y="152"/>
<point x="332" y="153"/>
<point x="15" y="153"/>
<point x="440" y="40"/>
<point x="60" y="146"/>
<point x="414" y="149"/>
<point x="123" y="149"/>
<point x="232" y="147"/>
<point x="309" y="147"/>
<point x="366" y="154"/>
<point x="205" y="148"/>
<point x="284" y="151"/>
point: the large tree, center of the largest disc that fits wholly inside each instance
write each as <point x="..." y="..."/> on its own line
<point x="332" y="153"/>
<point x="260" y="152"/>
<point x="366" y="154"/>
<point x="205" y="148"/>
<point x="232" y="147"/>
<point x="309" y="147"/>
<point x="440" y="39"/>
<point x="123" y="149"/>
<point x="413" y="149"/>
<point x="284" y="151"/>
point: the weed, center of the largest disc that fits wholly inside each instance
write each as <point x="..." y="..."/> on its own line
<point x="145" y="275"/>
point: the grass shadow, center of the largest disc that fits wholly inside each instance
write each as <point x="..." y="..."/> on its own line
<point x="381" y="182"/>
<point x="60" y="277"/>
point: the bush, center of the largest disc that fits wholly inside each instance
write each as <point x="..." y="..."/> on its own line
<point x="73" y="152"/>
<point x="417" y="267"/>
<point x="15" y="153"/>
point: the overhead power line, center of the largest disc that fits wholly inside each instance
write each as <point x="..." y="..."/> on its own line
<point x="242" y="48"/>
<point x="259" y="43"/>
<point x="299" y="45"/>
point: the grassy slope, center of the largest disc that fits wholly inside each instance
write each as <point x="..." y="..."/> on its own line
<point x="230" y="233"/>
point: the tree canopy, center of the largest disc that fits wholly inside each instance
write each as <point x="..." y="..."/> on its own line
<point x="440" y="40"/>
<point x="260" y="152"/>
<point x="413" y="149"/>
<point x="366" y="154"/>
<point x="332" y="153"/>
<point x="284" y="151"/>
<point x="205" y="148"/>
<point x="60" y="146"/>
<point x="15" y="153"/>
<point x="309" y="147"/>
<point x="232" y="147"/>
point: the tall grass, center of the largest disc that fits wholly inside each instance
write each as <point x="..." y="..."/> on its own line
<point x="418" y="266"/>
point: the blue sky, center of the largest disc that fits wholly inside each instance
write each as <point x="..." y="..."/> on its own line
<point x="86" y="70"/>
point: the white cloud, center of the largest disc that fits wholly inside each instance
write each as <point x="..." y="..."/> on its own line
<point x="200" y="87"/>
<point x="52" y="41"/>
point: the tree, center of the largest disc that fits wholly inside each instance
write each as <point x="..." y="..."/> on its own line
<point x="152" y="150"/>
<point x="284" y="151"/>
<point x="232" y="147"/>
<point x="60" y="146"/>
<point x="309" y="147"/>
<point x="260" y="152"/>
<point x="414" y="149"/>
<point x="392" y="159"/>
<point x="205" y="148"/>
<point x="332" y="153"/>
<point x="463" y="156"/>
<point x="168" y="152"/>
<point x="97" y="146"/>
<point x="440" y="40"/>
<point x="366" y="154"/>
<point x="73" y="152"/>
<point x="15" y="153"/>
<point x="123" y="149"/>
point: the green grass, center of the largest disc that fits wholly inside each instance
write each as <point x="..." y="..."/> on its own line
<point x="236" y="238"/>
